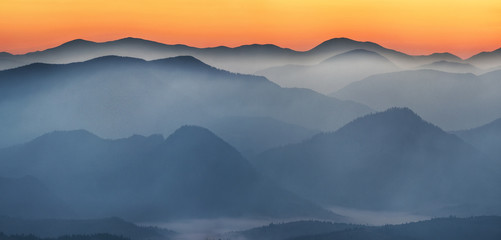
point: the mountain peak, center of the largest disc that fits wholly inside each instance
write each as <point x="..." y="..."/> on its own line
<point x="192" y="131"/>
<point x="400" y="114"/>
<point x="5" y="54"/>
<point x="185" y="59"/>
<point x="339" y="43"/>
<point x="134" y="40"/>
<point x="446" y="55"/>
<point x="76" y="43"/>
<point x="357" y="54"/>
<point x="260" y="46"/>
<point x="400" y="121"/>
<point x="114" y="59"/>
<point x="67" y="136"/>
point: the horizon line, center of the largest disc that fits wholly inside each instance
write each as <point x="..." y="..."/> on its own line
<point x="237" y="46"/>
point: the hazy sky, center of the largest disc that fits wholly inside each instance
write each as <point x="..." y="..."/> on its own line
<point x="463" y="27"/>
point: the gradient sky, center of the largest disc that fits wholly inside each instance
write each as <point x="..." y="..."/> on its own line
<point x="463" y="27"/>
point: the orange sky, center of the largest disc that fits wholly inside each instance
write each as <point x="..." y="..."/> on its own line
<point x="463" y="27"/>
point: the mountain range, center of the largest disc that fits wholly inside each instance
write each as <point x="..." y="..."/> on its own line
<point x="191" y="174"/>
<point x="390" y="161"/>
<point x="53" y="228"/>
<point x="116" y="97"/>
<point x="333" y="73"/>
<point x="244" y="59"/>
<point x="453" y="101"/>
<point x="486" y="138"/>
<point x="486" y="228"/>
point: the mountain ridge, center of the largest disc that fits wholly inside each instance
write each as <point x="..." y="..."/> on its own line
<point x="389" y="157"/>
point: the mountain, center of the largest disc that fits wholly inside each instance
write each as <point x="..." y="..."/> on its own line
<point x="116" y="97"/>
<point x="27" y="197"/>
<point x="485" y="228"/>
<point x="454" y="67"/>
<point x="486" y="59"/>
<point x="485" y="138"/>
<point x="336" y="46"/>
<point x="290" y="230"/>
<point x="253" y="135"/>
<point x="451" y="100"/>
<point x="52" y="228"/>
<point x="244" y="59"/>
<point x="332" y="73"/>
<point x="191" y="174"/>
<point x="392" y="160"/>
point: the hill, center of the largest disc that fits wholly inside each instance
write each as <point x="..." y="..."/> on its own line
<point x="453" y="101"/>
<point x="392" y="160"/>
<point x="290" y="230"/>
<point x="487" y="59"/>
<point x="191" y="174"/>
<point x="253" y="135"/>
<point x="333" y="73"/>
<point x="53" y="228"/>
<point x="116" y="97"/>
<point x="486" y="138"/>
<point x="454" y="67"/>
<point x="485" y="228"/>
<point x="244" y="59"/>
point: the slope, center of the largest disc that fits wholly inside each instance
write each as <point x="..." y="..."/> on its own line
<point x="191" y="174"/>
<point x="116" y="97"/>
<point x="391" y="160"/>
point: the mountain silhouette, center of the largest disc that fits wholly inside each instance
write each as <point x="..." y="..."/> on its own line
<point x="453" y="101"/>
<point x="116" y="97"/>
<point x="244" y="59"/>
<point x="454" y="67"/>
<point x="52" y="228"/>
<point x="392" y="160"/>
<point x="253" y="135"/>
<point x="290" y="230"/>
<point x="485" y="138"/>
<point x="191" y="174"/>
<point x="486" y="59"/>
<point x="487" y="228"/>
<point x="332" y="73"/>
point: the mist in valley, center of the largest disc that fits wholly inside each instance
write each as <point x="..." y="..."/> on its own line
<point x="347" y="140"/>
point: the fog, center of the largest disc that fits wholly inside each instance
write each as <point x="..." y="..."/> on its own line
<point x="212" y="228"/>
<point x="331" y="74"/>
<point x="346" y="136"/>
<point x="450" y="100"/>
<point x="116" y="97"/>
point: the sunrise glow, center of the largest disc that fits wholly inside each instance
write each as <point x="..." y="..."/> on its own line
<point x="416" y="27"/>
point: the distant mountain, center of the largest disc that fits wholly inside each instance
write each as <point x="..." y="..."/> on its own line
<point x="27" y="197"/>
<point x="452" y="101"/>
<point x="485" y="228"/>
<point x="117" y="96"/>
<point x="340" y="45"/>
<point x="253" y="135"/>
<point x="52" y="228"/>
<point x="244" y="59"/>
<point x="486" y="59"/>
<point x="485" y="138"/>
<point x="454" y="67"/>
<point x="191" y="174"/>
<point x="333" y="73"/>
<point x="290" y="230"/>
<point x="392" y="160"/>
